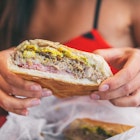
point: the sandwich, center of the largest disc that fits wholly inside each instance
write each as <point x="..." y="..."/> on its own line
<point x="64" y="70"/>
<point x="87" y="129"/>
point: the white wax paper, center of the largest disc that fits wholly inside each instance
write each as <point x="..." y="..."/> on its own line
<point x="48" y="120"/>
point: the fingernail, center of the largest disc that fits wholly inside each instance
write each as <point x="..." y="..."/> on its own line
<point x="34" y="102"/>
<point x="104" y="87"/>
<point x="46" y="92"/>
<point x="95" y="96"/>
<point x="35" y="87"/>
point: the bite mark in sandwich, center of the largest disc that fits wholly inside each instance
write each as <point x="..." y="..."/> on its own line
<point x="55" y="62"/>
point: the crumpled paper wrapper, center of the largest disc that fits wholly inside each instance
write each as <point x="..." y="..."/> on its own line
<point x="48" y="120"/>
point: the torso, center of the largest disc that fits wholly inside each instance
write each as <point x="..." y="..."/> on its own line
<point x="63" y="20"/>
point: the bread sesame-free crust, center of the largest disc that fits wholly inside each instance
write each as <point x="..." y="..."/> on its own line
<point x="61" y="88"/>
<point x="62" y="85"/>
<point x="87" y="129"/>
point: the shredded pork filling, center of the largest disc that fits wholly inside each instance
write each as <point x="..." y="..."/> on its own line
<point x="64" y="65"/>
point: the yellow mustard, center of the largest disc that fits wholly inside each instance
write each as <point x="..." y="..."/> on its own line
<point x="31" y="47"/>
<point x="29" y="54"/>
<point x="53" y="51"/>
<point x="31" y="50"/>
<point x="70" y="54"/>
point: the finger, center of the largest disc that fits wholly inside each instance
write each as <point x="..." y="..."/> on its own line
<point x="121" y="91"/>
<point x="25" y="93"/>
<point x="13" y="104"/>
<point x="10" y="89"/>
<point x="23" y="112"/>
<point x="46" y="92"/>
<point x="4" y="86"/>
<point x="130" y="70"/>
<point x="11" y="83"/>
<point x="128" y="101"/>
<point x="109" y="54"/>
<point x="13" y="79"/>
<point x="43" y="93"/>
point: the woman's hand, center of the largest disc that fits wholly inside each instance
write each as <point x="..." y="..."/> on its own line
<point x="12" y="88"/>
<point x="122" y="89"/>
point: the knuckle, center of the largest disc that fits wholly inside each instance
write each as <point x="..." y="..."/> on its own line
<point x="9" y="78"/>
<point x="12" y="90"/>
<point x="36" y="94"/>
<point x="135" y="102"/>
<point x="19" y="103"/>
<point x="113" y="83"/>
<point x="115" y="102"/>
<point x="26" y="86"/>
<point x="118" y="102"/>
<point x="22" y="105"/>
<point x="31" y="86"/>
<point x="107" y="96"/>
<point x="129" y="74"/>
<point x="127" y="88"/>
<point x="19" y="112"/>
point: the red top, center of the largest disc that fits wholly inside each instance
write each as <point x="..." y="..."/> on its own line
<point x="3" y="115"/>
<point x="88" y="42"/>
<point x="2" y="119"/>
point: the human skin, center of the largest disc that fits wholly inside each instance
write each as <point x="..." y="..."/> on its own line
<point x="16" y="94"/>
<point x="118" y="21"/>
<point x="122" y="89"/>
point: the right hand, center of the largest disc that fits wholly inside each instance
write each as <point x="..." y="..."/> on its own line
<point x="12" y="88"/>
<point x="123" y="88"/>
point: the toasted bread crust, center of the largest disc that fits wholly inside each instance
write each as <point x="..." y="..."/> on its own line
<point x="87" y="129"/>
<point x="114" y="127"/>
<point x="61" y="88"/>
<point x="61" y="85"/>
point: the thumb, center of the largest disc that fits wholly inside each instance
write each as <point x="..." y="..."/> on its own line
<point x="110" y="55"/>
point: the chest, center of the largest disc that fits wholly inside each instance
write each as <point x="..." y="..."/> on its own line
<point x="65" y="22"/>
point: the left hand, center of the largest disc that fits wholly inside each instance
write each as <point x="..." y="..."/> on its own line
<point x="122" y="89"/>
<point x="13" y="87"/>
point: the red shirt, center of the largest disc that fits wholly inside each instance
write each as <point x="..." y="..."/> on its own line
<point x="88" y="42"/>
